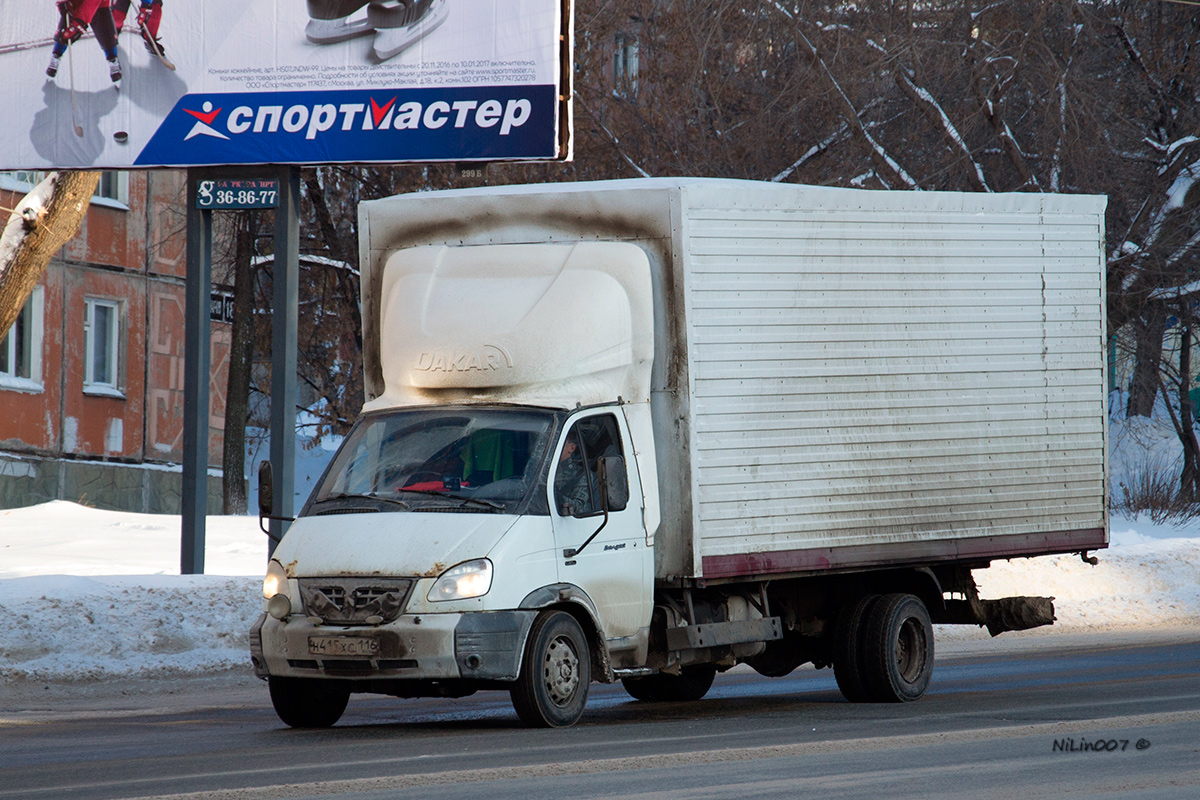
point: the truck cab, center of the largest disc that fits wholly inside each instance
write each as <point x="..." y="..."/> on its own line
<point x="460" y="539"/>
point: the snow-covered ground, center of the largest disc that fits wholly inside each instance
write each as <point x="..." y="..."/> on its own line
<point x="97" y="594"/>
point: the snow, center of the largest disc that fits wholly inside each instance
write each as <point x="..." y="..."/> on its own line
<point x="89" y="594"/>
<point x="1174" y="147"/>
<point x="24" y="217"/>
<point x="1183" y="183"/>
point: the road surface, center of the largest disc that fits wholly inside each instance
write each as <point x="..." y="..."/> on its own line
<point x="1095" y="721"/>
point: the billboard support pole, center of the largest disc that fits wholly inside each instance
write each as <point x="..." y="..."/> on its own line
<point x="196" y="357"/>
<point x="284" y="318"/>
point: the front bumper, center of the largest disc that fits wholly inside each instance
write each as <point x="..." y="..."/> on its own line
<point x="475" y="646"/>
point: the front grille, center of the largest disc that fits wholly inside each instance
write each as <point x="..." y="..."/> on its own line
<point x="355" y="601"/>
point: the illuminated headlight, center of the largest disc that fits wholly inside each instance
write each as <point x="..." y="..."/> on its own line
<point x="470" y="579"/>
<point x="276" y="580"/>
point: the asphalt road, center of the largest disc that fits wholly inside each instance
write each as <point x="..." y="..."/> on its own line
<point x="1015" y="724"/>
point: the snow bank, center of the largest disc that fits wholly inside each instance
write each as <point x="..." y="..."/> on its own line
<point x="61" y="627"/>
<point x="88" y="594"/>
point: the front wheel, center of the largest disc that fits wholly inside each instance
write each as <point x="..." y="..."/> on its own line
<point x="552" y="688"/>
<point x="308" y="702"/>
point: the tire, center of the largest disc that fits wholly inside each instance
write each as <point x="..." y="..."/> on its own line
<point x="691" y="684"/>
<point x="898" y="659"/>
<point x="308" y="702"/>
<point x="849" y="639"/>
<point x="552" y="688"/>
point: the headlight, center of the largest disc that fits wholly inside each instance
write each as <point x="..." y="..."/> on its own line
<point x="469" y="579"/>
<point x="276" y="580"/>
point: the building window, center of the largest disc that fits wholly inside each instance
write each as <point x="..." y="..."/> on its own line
<point x="101" y="334"/>
<point x="21" y="348"/>
<point x="112" y="190"/>
<point x="113" y="185"/>
<point x="21" y="180"/>
<point x="625" y="66"/>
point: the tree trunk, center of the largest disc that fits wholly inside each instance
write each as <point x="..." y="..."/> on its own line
<point x="1189" y="477"/>
<point x="241" y="356"/>
<point x="41" y="224"/>
<point x="1143" y="388"/>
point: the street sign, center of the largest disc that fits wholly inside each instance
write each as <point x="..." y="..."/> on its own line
<point x="221" y="308"/>
<point x="228" y="194"/>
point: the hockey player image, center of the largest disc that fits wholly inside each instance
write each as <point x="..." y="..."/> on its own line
<point x="149" y="17"/>
<point x="397" y="24"/>
<point x="74" y="18"/>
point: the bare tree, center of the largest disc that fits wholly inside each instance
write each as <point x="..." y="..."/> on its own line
<point x="241" y="362"/>
<point x="966" y="95"/>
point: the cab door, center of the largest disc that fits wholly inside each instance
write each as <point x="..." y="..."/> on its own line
<point x="615" y="567"/>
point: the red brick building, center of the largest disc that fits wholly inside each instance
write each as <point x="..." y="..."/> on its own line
<point x="91" y="375"/>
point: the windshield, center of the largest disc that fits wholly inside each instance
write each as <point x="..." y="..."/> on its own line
<point x="437" y="459"/>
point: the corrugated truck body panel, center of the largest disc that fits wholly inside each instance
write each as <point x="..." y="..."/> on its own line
<point x="871" y="371"/>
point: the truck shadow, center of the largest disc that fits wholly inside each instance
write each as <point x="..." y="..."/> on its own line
<point x="608" y="705"/>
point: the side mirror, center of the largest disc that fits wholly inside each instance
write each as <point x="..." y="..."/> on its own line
<point x="614" y="483"/>
<point x="266" y="490"/>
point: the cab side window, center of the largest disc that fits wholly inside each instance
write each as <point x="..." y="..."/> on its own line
<point x="576" y="488"/>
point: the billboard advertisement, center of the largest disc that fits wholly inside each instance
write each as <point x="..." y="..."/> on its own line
<point x="111" y="84"/>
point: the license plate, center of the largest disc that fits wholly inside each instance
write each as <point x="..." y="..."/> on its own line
<point x="342" y="646"/>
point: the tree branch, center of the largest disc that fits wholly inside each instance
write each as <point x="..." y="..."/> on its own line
<point x="936" y="115"/>
<point x="45" y="220"/>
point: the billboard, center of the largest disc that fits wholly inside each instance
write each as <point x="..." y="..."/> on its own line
<point x="110" y="84"/>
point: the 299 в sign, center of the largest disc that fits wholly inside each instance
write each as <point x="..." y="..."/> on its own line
<point x="231" y="194"/>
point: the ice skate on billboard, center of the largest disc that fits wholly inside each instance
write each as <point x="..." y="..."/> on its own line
<point x="165" y="83"/>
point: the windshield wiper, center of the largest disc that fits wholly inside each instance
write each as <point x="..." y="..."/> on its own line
<point x="389" y="500"/>
<point x="479" y="500"/>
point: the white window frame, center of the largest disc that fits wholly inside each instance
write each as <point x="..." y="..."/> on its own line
<point x="90" y="384"/>
<point x="118" y="182"/>
<point x="625" y="66"/>
<point x="32" y="317"/>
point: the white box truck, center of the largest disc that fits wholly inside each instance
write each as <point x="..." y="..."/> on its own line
<point x="647" y="430"/>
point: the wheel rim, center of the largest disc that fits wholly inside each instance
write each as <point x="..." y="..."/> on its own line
<point x="910" y="650"/>
<point x="561" y="670"/>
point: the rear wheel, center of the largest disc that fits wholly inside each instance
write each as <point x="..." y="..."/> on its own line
<point x="898" y="659"/>
<point x="552" y="688"/>
<point x="849" y="644"/>
<point x="691" y="684"/>
<point x="308" y="702"/>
